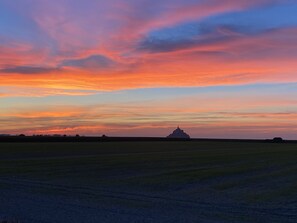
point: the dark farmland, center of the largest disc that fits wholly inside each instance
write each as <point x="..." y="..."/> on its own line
<point x="185" y="181"/>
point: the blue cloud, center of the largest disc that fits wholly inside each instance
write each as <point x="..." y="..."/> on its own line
<point x="258" y="19"/>
<point x="203" y="36"/>
<point x="91" y="62"/>
<point x="223" y="27"/>
<point x="29" y="70"/>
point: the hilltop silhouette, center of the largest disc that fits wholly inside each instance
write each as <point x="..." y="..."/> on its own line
<point x="179" y="134"/>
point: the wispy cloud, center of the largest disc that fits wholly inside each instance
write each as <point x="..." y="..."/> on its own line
<point x="134" y="48"/>
<point x="91" y="62"/>
<point x="29" y="70"/>
<point x="203" y="114"/>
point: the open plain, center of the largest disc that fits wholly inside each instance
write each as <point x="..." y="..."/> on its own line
<point x="190" y="181"/>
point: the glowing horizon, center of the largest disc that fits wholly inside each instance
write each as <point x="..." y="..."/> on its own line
<point x="217" y="68"/>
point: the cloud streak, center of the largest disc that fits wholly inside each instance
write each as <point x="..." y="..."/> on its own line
<point x="92" y="62"/>
<point x="28" y="70"/>
<point x="257" y="113"/>
<point x="214" y="55"/>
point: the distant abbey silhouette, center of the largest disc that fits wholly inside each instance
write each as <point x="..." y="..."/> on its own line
<point x="178" y="134"/>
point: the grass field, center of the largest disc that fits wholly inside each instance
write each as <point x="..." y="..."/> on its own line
<point x="149" y="182"/>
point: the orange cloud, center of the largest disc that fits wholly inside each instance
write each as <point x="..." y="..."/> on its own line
<point x="60" y="66"/>
<point x="20" y="53"/>
<point x="204" y="115"/>
<point x="237" y="61"/>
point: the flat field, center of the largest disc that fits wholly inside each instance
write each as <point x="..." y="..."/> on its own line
<point x="192" y="181"/>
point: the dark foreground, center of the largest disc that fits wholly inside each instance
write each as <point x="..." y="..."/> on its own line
<point x="191" y="181"/>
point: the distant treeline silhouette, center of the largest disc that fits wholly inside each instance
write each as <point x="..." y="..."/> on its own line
<point x="104" y="138"/>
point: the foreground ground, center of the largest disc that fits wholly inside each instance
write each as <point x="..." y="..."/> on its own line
<point x="148" y="182"/>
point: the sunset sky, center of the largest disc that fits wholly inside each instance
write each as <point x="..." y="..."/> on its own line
<point x="216" y="68"/>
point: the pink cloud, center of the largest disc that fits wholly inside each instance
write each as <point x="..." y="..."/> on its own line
<point x="117" y="29"/>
